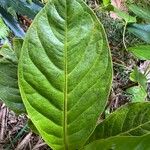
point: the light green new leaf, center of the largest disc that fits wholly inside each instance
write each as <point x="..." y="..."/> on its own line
<point x="131" y="120"/>
<point x="65" y="73"/>
<point x="106" y="2"/>
<point x="9" y="91"/>
<point x="121" y="143"/>
<point x="141" y="51"/>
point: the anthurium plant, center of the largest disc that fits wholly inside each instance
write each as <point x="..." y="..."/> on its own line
<point x="64" y="73"/>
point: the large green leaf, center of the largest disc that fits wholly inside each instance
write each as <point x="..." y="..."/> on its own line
<point x="9" y="91"/>
<point x="65" y="73"/>
<point x="140" y="11"/>
<point x="121" y="143"/>
<point x="132" y="119"/>
<point x="142" y="31"/>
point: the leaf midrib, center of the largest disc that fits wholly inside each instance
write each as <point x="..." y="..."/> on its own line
<point x="66" y="81"/>
<point x="128" y="131"/>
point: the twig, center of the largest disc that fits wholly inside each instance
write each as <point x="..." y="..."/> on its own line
<point x="38" y="146"/>
<point x="24" y="142"/>
<point x="121" y="65"/>
<point x="124" y="33"/>
<point x="3" y="124"/>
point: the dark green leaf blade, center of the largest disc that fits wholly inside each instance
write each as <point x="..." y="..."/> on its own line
<point x="12" y="23"/>
<point x="142" y="31"/>
<point x="21" y="7"/>
<point x="65" y="73"/>
<point x="9" y="91"/>
<point x="140" y="11"/>
<point x="121" y="143"/>
<point x="132" y="120"/>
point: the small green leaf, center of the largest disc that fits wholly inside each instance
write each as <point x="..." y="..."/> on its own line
<point x="142" y="52"/>
<point x="106" y="2"/>
<point x="142" y="31"/>
<point x="65" y="73"/>
<point x="140" y="78"/>
<point x="9" y="91"/>
<point x="121" y="143"/>
<point x="138" y="94"/>
<point x="125" y="16"/>
<point x="131" y="120"/>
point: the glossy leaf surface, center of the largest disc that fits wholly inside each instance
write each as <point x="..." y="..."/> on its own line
<point x="65" y="73"/>
<point x="131" y="120"/>
<point x="9" y="91"/>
